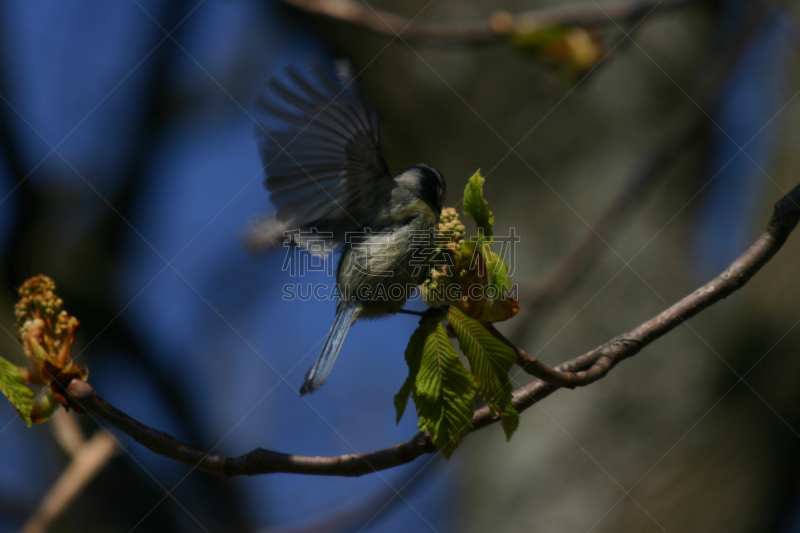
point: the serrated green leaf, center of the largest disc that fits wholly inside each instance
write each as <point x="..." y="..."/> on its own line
<point x="414" y="351"/>
<point x="12" y="385"/>
<point x="444" y="393"/>
<point x="490" y="360"/>
<point x="476" y="207"/>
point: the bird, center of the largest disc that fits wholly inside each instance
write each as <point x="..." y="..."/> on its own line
<point x="319" y="144"/>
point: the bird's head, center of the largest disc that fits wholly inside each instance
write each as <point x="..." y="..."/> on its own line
<point x="426" y="183"/>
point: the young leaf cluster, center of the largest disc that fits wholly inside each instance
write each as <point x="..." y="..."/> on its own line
<point x="46" y="332"/>
<point x="466" y="267"/>
<point x="442" y="388"/>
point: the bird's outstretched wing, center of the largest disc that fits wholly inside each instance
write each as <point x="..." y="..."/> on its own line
<point x="320" y="149"/>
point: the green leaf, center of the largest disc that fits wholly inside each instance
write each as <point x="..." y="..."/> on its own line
<point x="414" y="351"/>
<point x="12" y="385"/>
<point x="490" y="360"/>
<point x="497" y="269"/>
<point x="500" y="303"/>
<point x="444" y="393"/>
<point x="476" y="207"/>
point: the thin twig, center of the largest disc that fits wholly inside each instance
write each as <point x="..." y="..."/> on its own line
<point x="499" y="25"/>
<point x="67" y="432"/>
<point x="87" y="462"/>
<point x="536" y="368"/>
<point x="587" y="368"/>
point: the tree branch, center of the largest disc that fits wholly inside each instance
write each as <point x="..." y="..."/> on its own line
<point x="66" y="432"/>
<point x="582" y="371"/>
<point x="536" y="368"/>
<point x="499" y="25"/>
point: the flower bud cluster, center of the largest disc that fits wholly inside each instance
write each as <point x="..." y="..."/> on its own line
<point x="454" y="258"/>
<point x="45" y="329"/>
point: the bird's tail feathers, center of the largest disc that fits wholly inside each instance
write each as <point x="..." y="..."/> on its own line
<point x="318" y="373"/>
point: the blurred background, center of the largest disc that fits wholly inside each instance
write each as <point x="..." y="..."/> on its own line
<point x="659" y="139"/>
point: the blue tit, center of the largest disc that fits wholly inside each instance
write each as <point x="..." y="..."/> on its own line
<point x="326" y="172"/>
